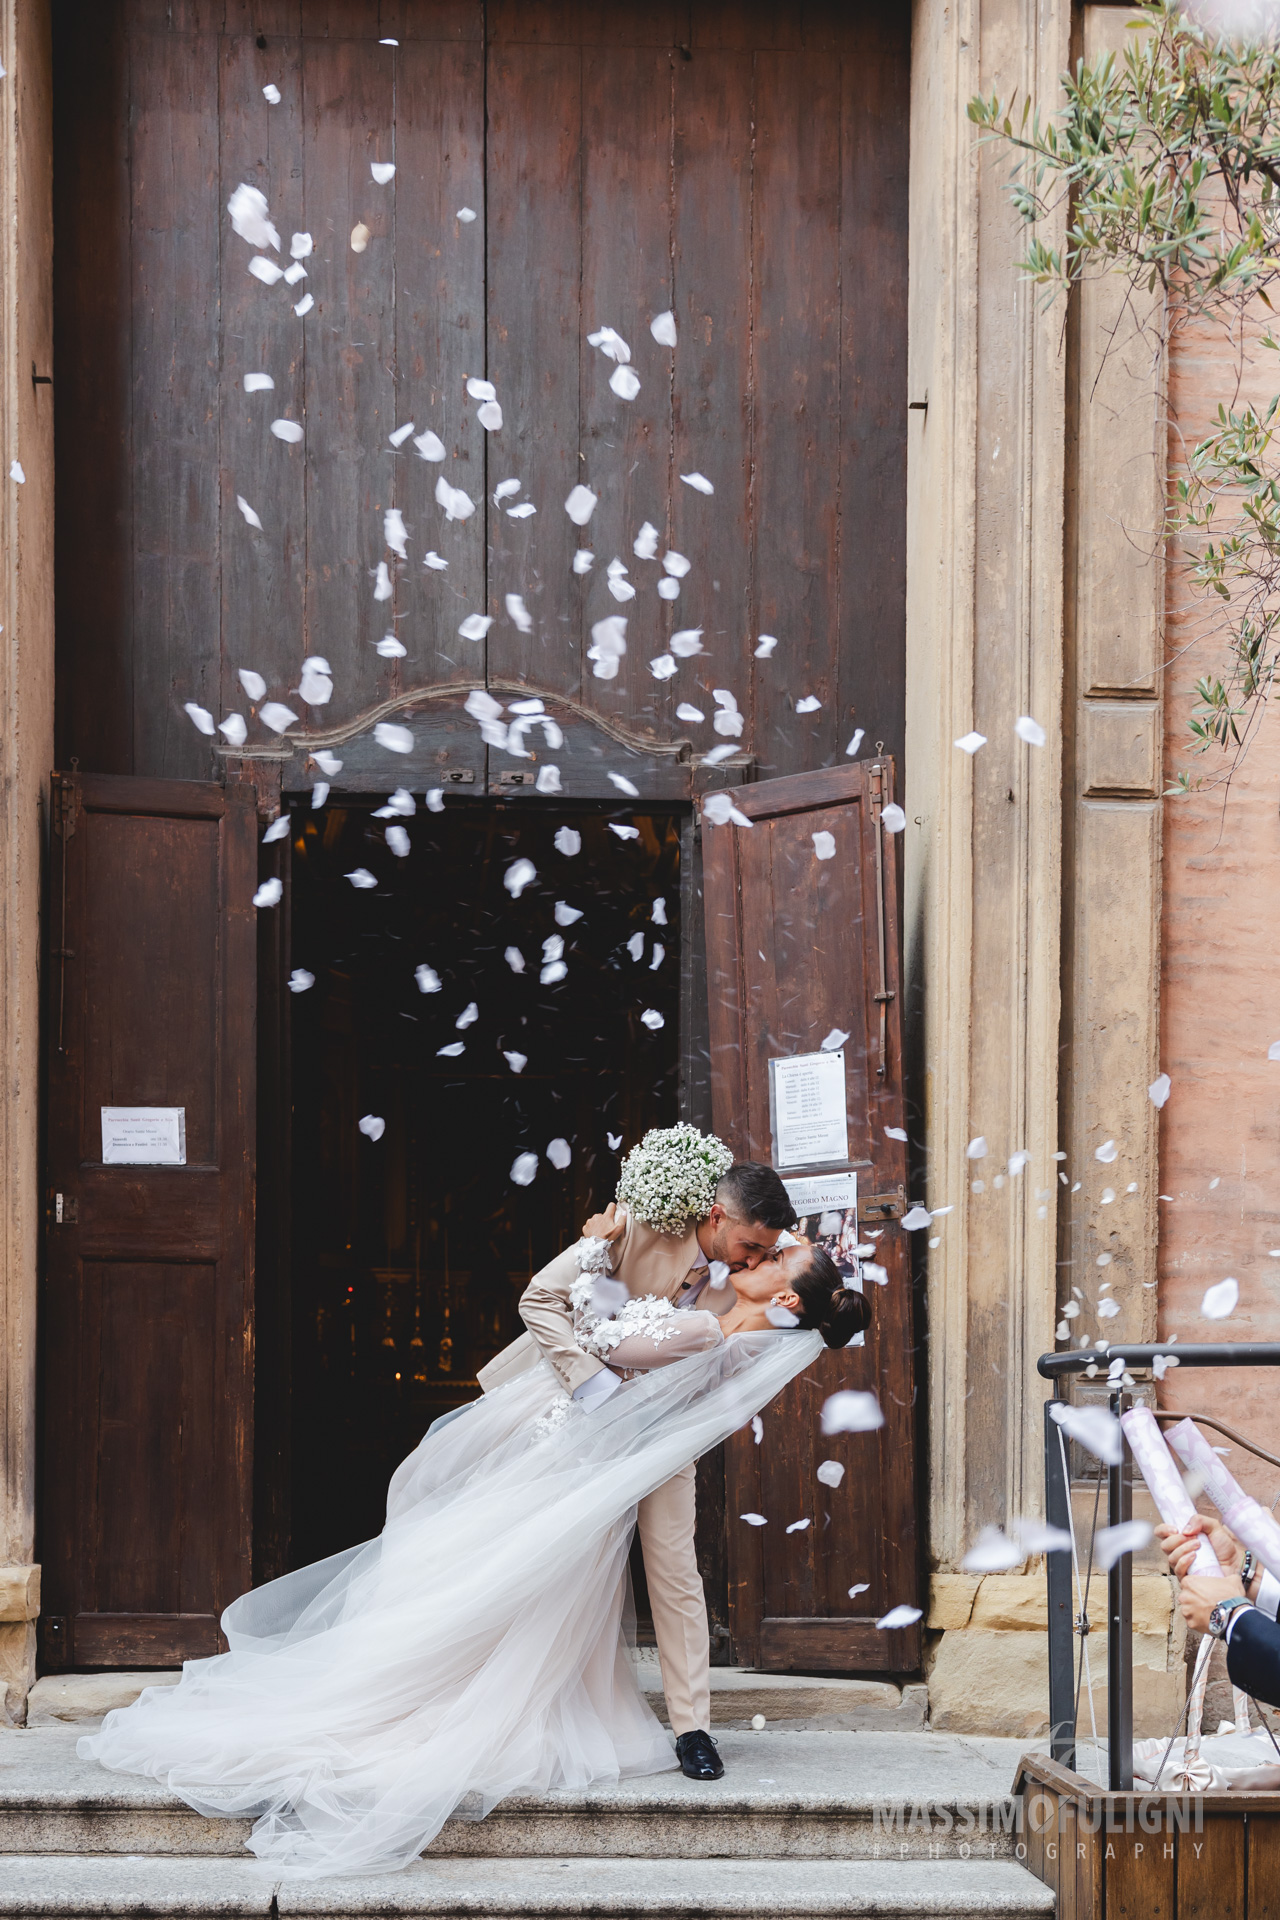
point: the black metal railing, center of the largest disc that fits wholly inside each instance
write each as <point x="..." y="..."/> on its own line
<point x="1062" y="1623"/>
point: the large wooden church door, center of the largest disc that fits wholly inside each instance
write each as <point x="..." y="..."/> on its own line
<point x="802" y="946"/>
<point x="148" y="1360"/>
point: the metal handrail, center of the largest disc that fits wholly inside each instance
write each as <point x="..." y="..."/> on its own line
<point x="1062" y="1707"/>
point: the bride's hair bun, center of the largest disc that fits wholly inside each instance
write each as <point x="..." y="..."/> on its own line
<point x="838" y="1312"/>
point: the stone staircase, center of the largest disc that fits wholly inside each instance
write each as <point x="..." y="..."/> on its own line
<point x="802" y="1825"/>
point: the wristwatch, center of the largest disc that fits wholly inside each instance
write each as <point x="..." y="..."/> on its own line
<point x="1222" y="1612"/>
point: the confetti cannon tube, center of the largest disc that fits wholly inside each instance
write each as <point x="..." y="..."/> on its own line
<point x="1164" y="1482"/>
<point x="1249" y="1522"/>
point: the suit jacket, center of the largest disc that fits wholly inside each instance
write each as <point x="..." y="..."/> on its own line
<point x="645" y="1261"/>
<point x="1253" y="1656"/>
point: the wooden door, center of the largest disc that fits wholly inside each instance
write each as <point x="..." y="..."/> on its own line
<point x="798" y="945"/>
<point x="148" y="1321"/>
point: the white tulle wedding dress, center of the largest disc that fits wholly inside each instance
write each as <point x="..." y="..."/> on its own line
<point x="475" y="1649"/>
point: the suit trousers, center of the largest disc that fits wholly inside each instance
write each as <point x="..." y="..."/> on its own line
<point x="665" y="1519"/>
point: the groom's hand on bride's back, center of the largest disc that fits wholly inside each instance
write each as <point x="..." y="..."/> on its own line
<point x="607" y="1225"/>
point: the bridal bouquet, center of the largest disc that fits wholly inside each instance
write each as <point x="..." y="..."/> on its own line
<point x="671" y="1177"/>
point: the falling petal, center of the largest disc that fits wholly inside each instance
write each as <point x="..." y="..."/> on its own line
<point x="398" y="841"/>
<point x="468" y="1017"/>
<point x="360" y="877"/>
<point x="201" y="718"/>
<point x="668" y="589"/>
<point x="382" y="588"/>
<point x="451" y="1052"/>
<point x="548" y="780"/>
<point x="1107" y="1152"/>
<point x="754" y="1519"/>
<point x="490" y="416"/>
<point x="269" y="894"/>
<point x="300" y="246"/>
<point x="992" y="1552"/>
<point x="518" y="613"/>
<point x="518" y="876"/>
<point x="624" y="785"/>
<point x="521" y="512"/>
<point x="516" y="1061"/>
<point x="16" y="472"/>
<point x="523" y="1169"/>
<point x="278" y="830"/>
<point x="482" y="389"/>
<point x="568" y="841"/>
<point x="662" y="667"/>
<point x="824" y="844"/>
<point x="652" y="1019"/>
<point x="294" y="273"/>
<point x="394" y="532"/>
<point x="1108" y="1309"/>
<point x="319" y="794"/>
<point x="433" y="560"/>
<point x="625" y="382"/>
<point x="582" y="560"/>
<point x="916" y="1218"/>
<point x="304" y="306"/>
<point x="253" y="683"/>
<point x="898" y="1617"/>
<point x="390" y="648"/>
<point x="1029" y="730"/>
<point x="1109" y="1543"/>
<point x="250" y="217"/>
<point x="328" y="763"/>
<point x="698" y="481"/>
<point x="457" y="504"/>
<point x="248" y="512"/>
<point x="835" y="1039"/>
<point x="894" y="818"/>
<point x="559" y="1154"/>
<point x="810" y="704"/>
<point x="566" y="915"/>
<point x="645" y="544"/>
<point x="830" y="1473"/>
<point x="287" y="430"/>
<point x="624" y="833"/>
<point x="315" y="684"/>
<point x="855" y="743"/>
<point x="663" y="329"/>
<point x="615" y="1141"/>
<point x="580" y="505"/>
<point x="300" y="981"/>
<point x="1159" y="1090"/>
<point x="765" y="646"/>
<point x="675" y="564"/>
<point x="233" y="729"/>
<point x="798" y="1526"/>
<point x="373" y="1126"/>
<point x="851" y="1412"/>
<point x="863" y="1586"/>
<point x="611" y="344"/>
<point x="427" y="978"/>
<point x="382" y="171"/>
<point x="271" y="94"/>
<point x="608" y="644"/>
<point x="686" y="642"/>
<point x="394" y="739"/>
<point x="977" y="1148"/>
<point x="1095" y="1429"/>
<point x="475" y="626"/>
<point x="970" y="742"/>
<point x="781" y="1317"/>
<point x="258" y="383"/>
<point x="466" y="215"/>
<point x="658" y="956"/>
<point x="431" y="447"/>
<point x="504" y="490"/>
<point x="1220" y="1301"/>
<point x="274" y="714"/>
<point x="621" y="589"/>
<point x="900" y="1133"/>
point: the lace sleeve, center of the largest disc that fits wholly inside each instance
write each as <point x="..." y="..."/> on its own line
<point x="649" y="1333"/>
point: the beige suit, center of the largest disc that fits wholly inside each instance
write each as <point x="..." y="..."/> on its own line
<point x="647" y="1263"/>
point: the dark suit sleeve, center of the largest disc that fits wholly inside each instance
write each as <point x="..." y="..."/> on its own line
<point x="1253" y="1656"/>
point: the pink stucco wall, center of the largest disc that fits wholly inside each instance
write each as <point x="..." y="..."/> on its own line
<point x="1220" y="1006"/>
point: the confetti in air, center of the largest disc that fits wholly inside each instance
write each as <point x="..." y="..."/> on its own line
<point x="269" y="894"/>
<point x="523" y="1169"/>
<point x="1029" y="730"/>
<point x="1220" y="1301"/>
<point x="970" y="742"/>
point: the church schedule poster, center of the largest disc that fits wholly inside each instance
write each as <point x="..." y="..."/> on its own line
<point x="144" y="1136"/>
<point x="807" y="1110"/>
<point x="827" y="1209"/>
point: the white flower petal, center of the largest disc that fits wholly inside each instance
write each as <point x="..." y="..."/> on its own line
<point x="851" y="1412"/>
<point x="304" y="306"/>
<point x="810" y="704"/>
<point x="625" y="382"/>
<point x="300" y="246"/>
<point x="518" y="876"/>
<point x="398" y="841"/>
<point x="395" y="739"/>
<point x="466" y="215"/>
<point x="382" y="171"/>
<point x="902" y="1616"/>
<point x="287" y="430"/>
<point x="269" y="894"/>
<point x="300" y="981"/>
<point x="970" y="742"/>
<point x="258" y="383"/>
<point x="580" y="505"/>
<point x="698" y="481"/>
<point x="824" y="845"/>
<point x="475" y="626"/>
<point x="250" y="218"/>
<point x="271" y="94"/>
<point x="523" y="1169"/>
<point x="686" y="643"/>
<point x="490" y="416"/>
<point x="663" y="328"/>
<point x="662" y="666"/>
<point x="431" y="447"/>
<point x="1159" y="1090"/>
<point x="568" y="841"/>
<point x="233" y="729"/>
<point x="1029" y="730"/>
<point x="274" y="714"/>
<point x="1221" y="1300"/>
<point x="559" y="1153"/>
<point x="652" y="1019"/>
<point x="893" y="817"/>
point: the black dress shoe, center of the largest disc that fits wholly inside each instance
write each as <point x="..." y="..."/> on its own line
<point x="697" y="1755"/>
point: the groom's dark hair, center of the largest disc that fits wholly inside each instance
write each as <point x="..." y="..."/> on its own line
<point x="750" y="1191"/>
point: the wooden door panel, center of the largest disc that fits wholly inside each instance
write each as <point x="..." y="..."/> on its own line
<point x="148" y="1329"/>
<point x="797" y="946"/>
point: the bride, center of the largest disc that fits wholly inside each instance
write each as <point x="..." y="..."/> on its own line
<point x="477" y="1648"/>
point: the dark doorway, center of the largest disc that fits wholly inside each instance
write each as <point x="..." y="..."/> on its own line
<point x="410" y="1251"/>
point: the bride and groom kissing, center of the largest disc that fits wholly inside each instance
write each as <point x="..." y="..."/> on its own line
<point x="479" y="1646"/>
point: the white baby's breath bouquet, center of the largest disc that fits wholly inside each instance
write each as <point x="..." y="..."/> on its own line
<point x="671" y="1177"/>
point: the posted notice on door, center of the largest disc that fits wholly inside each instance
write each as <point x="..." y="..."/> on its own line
<point x="807" y="1110"/>
<point x="144" y="1136"/>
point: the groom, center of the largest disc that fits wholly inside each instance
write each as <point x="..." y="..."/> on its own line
<point x="751" y="1210"/>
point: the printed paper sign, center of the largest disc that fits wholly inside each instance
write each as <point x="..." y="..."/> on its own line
<point x="144" y="1136"/>
<point x="807" y="1110"/>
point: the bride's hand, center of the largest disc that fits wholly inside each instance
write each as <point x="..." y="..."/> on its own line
<point x="607" y="1225"/>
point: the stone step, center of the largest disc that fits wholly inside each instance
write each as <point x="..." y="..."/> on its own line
<point x="93" y="1888"/>
<point x="822" y="1796"/>
<point x="789" y="1702"/>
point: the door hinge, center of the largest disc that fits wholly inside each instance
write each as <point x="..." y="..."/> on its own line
<point x="882" y="1206"/>
<point x="64" y="814"/>
<point x="66" y="1210"/>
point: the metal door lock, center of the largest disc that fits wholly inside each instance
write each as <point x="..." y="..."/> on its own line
<point x="66" y="1210"/>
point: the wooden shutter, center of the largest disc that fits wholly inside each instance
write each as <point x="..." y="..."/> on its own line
<point x="797" y="945"/>
<point x="148" y="1318"/>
